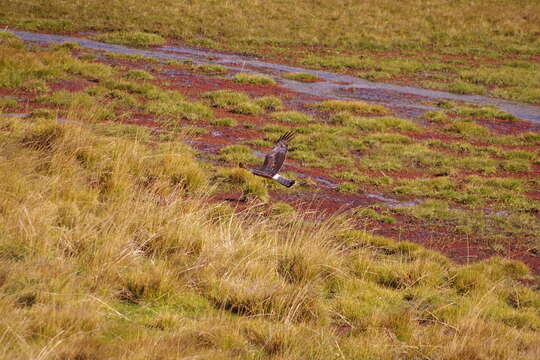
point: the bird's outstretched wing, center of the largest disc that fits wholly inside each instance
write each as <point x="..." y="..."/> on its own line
<point x="275" y="158"/>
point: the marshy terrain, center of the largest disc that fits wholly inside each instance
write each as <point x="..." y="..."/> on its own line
<point x="126" y="224"/>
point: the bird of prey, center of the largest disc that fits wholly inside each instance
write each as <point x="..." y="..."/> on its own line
<point x="274" y="161"/>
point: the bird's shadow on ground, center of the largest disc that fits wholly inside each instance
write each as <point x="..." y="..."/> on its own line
<point x="236" y="200"/>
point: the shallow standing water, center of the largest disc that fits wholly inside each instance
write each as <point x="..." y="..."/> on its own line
<point x="406" y="97"/>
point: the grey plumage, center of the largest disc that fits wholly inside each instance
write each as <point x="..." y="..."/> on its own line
<point x="274" y="161"/>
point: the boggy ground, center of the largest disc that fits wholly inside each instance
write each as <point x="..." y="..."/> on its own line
<point x="462" y="179"/>
<point x="127" y="226"/>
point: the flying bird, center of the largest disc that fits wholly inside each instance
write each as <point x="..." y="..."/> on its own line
<point x="274" y="161"/>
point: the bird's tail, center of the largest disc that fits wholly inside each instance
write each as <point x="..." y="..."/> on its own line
<point x="284" y="181"/>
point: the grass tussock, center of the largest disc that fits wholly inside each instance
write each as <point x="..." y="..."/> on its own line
<point x="269" y="103"/>
<point x="236" y="154"/>
<point x="137" y="74"/>
<point x="383" y="123"/>
<point x="224" y="122"/>
<point x="241" y="179"/>
<point x="133" y="38"/>
<point x="7" y="103"/>
<point x="301" y="77"/>
<point x="293" y="117"/>
<point x="225" y="98"/>
<point x="357" y="107"/>
<point x="211" y="69"/>
<point x="247" y="108"/>
<point x="258" y="79"/>
<point x="172" y="105"/>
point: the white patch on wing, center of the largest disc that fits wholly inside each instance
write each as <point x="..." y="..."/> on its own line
<point x="275" y="177"/>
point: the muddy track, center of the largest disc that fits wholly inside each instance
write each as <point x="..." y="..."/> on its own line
<point x="406" y="99"/>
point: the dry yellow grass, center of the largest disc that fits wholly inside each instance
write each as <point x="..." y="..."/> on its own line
<point x="110" y="249"/>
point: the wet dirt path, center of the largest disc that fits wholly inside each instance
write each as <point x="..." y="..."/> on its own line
<point x="407" y="98"/>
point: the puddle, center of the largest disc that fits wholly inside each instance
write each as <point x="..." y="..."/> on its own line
<point x="397" y="96"/>
<point x="495" y="213"/>
<point x="326" y="182"/>
<point x="393" y="203"/>
<point x="202" y="146"/>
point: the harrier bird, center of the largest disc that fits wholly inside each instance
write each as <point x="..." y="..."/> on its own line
<point x="274" y="161"/>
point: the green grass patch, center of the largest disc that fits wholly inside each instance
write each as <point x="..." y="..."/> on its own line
<point x="83" y="104"/>
<point x="211" y="69"/>
<point x="274" y="130"/>
<point x="132" y="132"/>
<point x="489" y="112"/>
<point x="301" y="76"/>
<point x="456" y="86"/>
<point x="225" y="98"/>
<point x="249" y="184"/>
<point x="31" y="70"/>
<point x="437" y="117"/>
<point x="528" y="139"/>
<point x="468" y="129"/>
<point x="247" y="108"/>
<point x="67" y="45"/>
<point x="352" y="176"/>
<point x="42" y="113"/>
<point x="269" y="103"/>
<point x="371" y="214"/>
<point x="10" y="40"/>
<point x="138" y="75"/>
<point x="7" y="103"/>
<point x="293" y="117"/>
<point x="527" y="94"/>
<point x="386" y="138"/>
<point x="236" y="154"/>
<point x="384" y="123"/>
<point x="348" y="188"/>
<point x="258" y="79"/>
<point x="503" y="76"/>
<point x="282" y="209"/>
<point x="224" y="122"/>
<point x="133" y="38"/>
<point x="516" y="165"/>
<point x="149" y="91"/>
<point x="474" y="222"/>
<point x="132" y="57"/>
<point x="176" y="109"/>
<point x="357" y="107"/>
<point x="465" y="88"/>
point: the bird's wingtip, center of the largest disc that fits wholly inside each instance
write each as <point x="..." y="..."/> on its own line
<point x="286" y="136"/>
